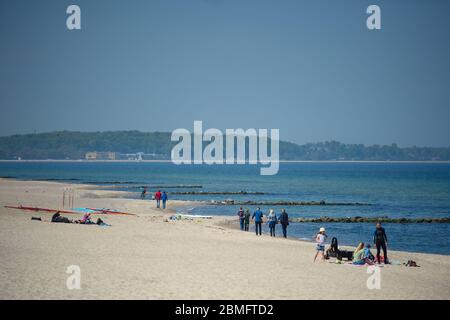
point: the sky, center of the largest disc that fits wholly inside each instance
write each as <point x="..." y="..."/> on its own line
<point x="309" y="68"/>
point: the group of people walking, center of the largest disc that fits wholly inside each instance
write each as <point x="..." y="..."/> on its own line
<point x="159" y="197"/>
<point x="258" y="217"/>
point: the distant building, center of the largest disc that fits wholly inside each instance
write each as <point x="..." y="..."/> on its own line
<point x="94" y="155"/>
<point x="140" y="156"/>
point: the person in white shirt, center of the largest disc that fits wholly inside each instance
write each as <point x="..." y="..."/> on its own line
<point x="321" y="237"/>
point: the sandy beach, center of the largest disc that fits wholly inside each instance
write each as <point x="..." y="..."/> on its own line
<point x="146" y="257"/>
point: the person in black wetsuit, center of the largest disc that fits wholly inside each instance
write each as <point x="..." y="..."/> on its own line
<point x="380" y="241"/>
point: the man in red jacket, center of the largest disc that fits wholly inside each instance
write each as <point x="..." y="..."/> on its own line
<point x="158" y="198"/>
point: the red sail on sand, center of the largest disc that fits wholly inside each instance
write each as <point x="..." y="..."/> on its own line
<point x="108" y="211"/>
<point x="35" y="209"/>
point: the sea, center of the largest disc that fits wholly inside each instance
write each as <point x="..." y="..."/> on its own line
<point x="392" y="189"/>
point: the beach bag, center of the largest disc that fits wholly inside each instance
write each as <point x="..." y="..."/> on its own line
<point x="411" y="263"/>
<point x="346" y="254"/>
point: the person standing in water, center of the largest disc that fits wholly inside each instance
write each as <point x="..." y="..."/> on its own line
<point x="246" y="219"/>
<point x="284" y="221"/>
<point x="164" y="199"/>
<point x="241" y="218"/>
<point x="158" y="196"/>
<point x="272" y="222"/>
<point x="258" y="216"/>
<point x="143" y="193"/>
<point x="321" y="237"/>
<point x="380" y="241"/>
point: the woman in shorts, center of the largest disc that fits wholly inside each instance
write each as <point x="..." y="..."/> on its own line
<point x="321" y="237"/>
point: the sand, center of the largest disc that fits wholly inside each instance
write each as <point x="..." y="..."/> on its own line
<point x="145" y="257"/>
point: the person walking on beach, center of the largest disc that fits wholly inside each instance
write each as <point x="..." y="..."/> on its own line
<point x="241" y="218"/>
<point x="321" y="237"/>
<point x="284" y="221"/>
<point x="143" y="193"/>
<point x="246" y="219"/>
<point x="164" y="199"/>
<point x="272" y="217"/>
<point x="158" y="196"/>
<point x="258" y="216"/>
<point x="380" y="241"/>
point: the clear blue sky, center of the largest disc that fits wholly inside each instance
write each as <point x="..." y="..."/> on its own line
<point x="310" y="68"/>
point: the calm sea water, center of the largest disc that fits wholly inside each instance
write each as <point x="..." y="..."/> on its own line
<point x="393" y="189"/>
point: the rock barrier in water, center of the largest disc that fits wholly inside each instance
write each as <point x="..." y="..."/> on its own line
<point x="216" y="193"/>
<point x="286" y="203"/>
<point x="359" y="219"/>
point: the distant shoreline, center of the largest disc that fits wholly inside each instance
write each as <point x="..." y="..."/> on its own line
<point x="280" y="161"/>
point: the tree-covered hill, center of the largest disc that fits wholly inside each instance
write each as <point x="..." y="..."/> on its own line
<point x="74" y="145"/>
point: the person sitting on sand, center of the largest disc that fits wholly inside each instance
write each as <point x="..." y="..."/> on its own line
<point x="60" y="219"/>
<point x="86" y="219"/>
<point x="358" y="254"/>
<point x="321" y="237"/>
<point x="164" y="199"/>
<point x="258" y="216"/>
<point x="362" y="255"/>
<point x="368" y="256"/>
<point x="246" y="219"/>
<point x="272" y="217"/>
<point x="284" y="221"/>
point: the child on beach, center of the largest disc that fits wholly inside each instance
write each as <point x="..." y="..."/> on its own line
<point x="320" y="247"/>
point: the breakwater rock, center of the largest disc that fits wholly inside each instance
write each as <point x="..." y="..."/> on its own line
<point x="217" y="193"/>
<point x="286" y="203"/>
<point x="370" y="220"/>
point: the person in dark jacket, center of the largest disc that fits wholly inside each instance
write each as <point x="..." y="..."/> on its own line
<point x="60" y="219"/>
<point x="164" y="199"/>
<point x="380" y="241"/>
<point x="241" y="218"/>
<point x="258" y="216"/>
<point x="246" y="219"/>
<point x="143" y="193"/>
<point x="284" y="221"/>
